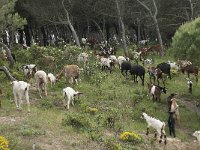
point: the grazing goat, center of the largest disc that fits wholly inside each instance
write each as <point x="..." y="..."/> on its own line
<point x="29" y="70"/>
<point x="69" y="94"/>
<point x="156" y="73"/>
<point x="190" y="69"/>
<point x="158" y="125"/>
<point x="70" y="71"/>
<point x="83" y="41"/>
<point x="173" y="65"/>
<point x="41" y="81"/>
<point x="165" y="68"/>
<point x="143" y="53"/>
<point x="114" y="60"/>
<point x="147" y="61"/>
<point x="143" y="42"/>
<point x="51" y="78"/>
<point x="125" y="66"/>
<point x="137" y="70"/>
<point x="197" y="135"/>
<point x="156" y="48"/>
<point x="83" y="57"/>
<point x="189" y="84"/>
<point x="20" y="89"/>
<point x="121" y="59"/>
<point x="156" y="91"/>
<point x="106" y="63"/>
<point x="183" y="63"/>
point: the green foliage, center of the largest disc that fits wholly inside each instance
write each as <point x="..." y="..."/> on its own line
<point x="25" y="130"/>
<point x="186" y="42"/>
<point x="46" y="104"/>
<point x="8" y="17"/>
<point x="78" y="121"/>
<point x="112" y="144"/>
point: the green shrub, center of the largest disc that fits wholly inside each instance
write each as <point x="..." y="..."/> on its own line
<point x="78" y="121"/>
<point x="25" y="130"/>
<point x="186" y="41"/>
<point x="46" y="104"/>
<point x="112" y="144"/>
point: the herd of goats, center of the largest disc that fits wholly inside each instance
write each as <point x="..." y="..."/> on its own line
<point x="108" y="60"/>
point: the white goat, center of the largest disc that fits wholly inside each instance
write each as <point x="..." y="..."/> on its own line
<point x="143" y="42"/>
<point x="20" y="89"/>
<point x="173" y="65"/>
<point x="83" y="57"/>
<point x="84" y="40"/>
<point x="68" y="94"/>
<point x="197" y="135"/>
<point x="156" y="124"/>
<point x="29" y="70"/>
<point x="41" y="81"/>
<point x="121" y="59"/>
<point x="147" y="61"/>
<point x="51" y="78"/>
<point x="106" y="63"/>
<point x="113" y="58"/>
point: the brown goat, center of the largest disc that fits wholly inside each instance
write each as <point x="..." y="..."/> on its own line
<point x="156" y="73"/>
<point x="156" y="91"/>
<point x="190" y="69"/>
<point x="156" y="48"/>
<point x="70" y="71"/>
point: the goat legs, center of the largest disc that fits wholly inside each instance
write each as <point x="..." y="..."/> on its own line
<point x="27" y="100"/>
<point x="147" y="131"/>
<point x="16" y="101"/>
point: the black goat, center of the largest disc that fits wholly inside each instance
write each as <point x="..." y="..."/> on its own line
<point x="125" y="66"/>
<point x="165" y="68"/>
<point x="137" y="70"/>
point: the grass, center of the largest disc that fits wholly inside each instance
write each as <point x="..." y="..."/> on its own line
<point x="111" y="94"/>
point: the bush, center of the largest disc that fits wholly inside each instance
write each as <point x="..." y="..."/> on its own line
<point x="78" y="121"/>
<point x="111" y="144"/>
<point x="27" y="131"/>
<point x="3" y="143"/>
<point x="186" y="41"/>
<point x="130" y="137"/>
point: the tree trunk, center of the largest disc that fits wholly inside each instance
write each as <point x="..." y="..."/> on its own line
<point x="154" y="16"/>
<point x="122" y="28"/>
<point x="107" y="32"/>
<point x="44" y="36"/>
<point x="139" y="30"/>
<point x="101" y="31"/>
<point x="21" y="37"/>
<point x="28" y="36"/>
<point x="159" y="37"/>
<point x="7" y="72"/>
<point x="8" y="54"/>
